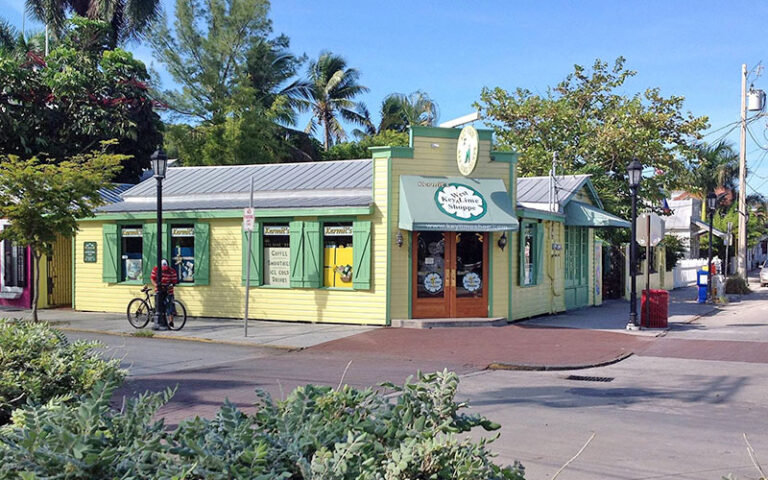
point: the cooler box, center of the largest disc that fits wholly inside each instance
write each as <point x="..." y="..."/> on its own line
<point x="659" y="309"/>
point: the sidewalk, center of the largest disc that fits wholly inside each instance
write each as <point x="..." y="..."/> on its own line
<point x="581" y="338"/>
<point x="286" y="335"/>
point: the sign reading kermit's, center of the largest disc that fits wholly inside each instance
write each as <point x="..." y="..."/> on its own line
<point x="460" y="201"/>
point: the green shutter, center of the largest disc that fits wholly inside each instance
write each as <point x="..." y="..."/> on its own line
<point x="110" y="257"/>
<point x="202" y="253"/>
<point x="313" y="255"/>
<point x="256" y="255"/>
<point x="361" y="243"/>
<point x="297" y="253"/>
<point x="539" y="273"/>
<point x="521" y="255"/>
<point x="148" y="250"/>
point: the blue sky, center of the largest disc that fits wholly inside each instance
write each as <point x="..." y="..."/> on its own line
<point x="452" y="49"/>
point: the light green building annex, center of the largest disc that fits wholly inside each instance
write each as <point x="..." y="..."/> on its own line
<point x="442" y="228"/>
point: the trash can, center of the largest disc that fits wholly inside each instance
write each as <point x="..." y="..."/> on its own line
<point x="658" y="304"/>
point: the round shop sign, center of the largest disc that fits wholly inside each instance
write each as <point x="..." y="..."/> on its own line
<point x="472" y="282"/>
<point x="460" y="201"/>
<point x="433" y="282"/>
<point x="466" y="151"/>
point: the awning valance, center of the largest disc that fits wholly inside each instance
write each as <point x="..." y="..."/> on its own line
<point x="455" y="204"/>
<point x="578" y="214"/>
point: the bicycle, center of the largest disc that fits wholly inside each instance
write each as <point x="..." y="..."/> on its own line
<point x="141" y="310"/>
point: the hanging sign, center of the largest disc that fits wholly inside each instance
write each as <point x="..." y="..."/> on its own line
<point x="460" y="201"/>
<point x="466" y="150"/>
<point x="89" y="252"/>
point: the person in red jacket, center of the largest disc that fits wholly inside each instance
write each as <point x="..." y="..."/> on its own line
<point x="167" y="281"/>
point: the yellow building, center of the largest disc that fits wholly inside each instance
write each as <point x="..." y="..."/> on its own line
<point x="426" y="231"/>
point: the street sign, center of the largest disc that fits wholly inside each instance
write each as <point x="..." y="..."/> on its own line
<point x="249" y="222"/>
<point x="650" y="229"/>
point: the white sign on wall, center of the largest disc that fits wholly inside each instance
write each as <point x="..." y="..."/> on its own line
<point x="277" y="263"/>
<point x="249" y="220"/>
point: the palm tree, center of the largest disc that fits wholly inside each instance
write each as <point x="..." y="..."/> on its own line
<point x="128" y="18"/>
<point x="399" y="111"/>
<point x="334" y="86"/>
<point x="717" y="169"/>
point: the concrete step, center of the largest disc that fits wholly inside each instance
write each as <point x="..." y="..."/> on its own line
<point x="448" y="322"/>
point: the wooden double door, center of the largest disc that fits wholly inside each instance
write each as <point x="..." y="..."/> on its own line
<point x="450" y="274"/>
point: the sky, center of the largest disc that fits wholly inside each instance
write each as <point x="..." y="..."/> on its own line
<point x="451" y="49"/>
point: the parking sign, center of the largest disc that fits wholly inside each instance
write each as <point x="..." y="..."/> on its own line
<point x="248" y="220"/>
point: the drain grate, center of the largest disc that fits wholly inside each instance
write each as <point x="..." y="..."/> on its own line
<point x="582" y="378"/>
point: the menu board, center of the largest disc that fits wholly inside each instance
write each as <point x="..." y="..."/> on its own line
<point x="277" y="266"/>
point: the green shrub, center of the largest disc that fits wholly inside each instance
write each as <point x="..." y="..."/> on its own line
<point x="736" y="285"/>
<point x="317" y="433"/>
<point x="38" y="363"/>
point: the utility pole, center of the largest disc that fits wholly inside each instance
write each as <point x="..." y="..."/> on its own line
<point x="741" y="259"/>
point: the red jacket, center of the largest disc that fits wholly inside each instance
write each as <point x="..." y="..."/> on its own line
<point x="169" y="278"/>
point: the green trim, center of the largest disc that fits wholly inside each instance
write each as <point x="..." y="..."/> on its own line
<point x="388" y="219"/>
<point x="490" y="274"/>
<point x="536" y="257"/>
<point x="526" y="212"/>
<point x="510" y="277"/>
<point x="410" y="273"/>
<point x="235" y="213"/>
<point x="439" y="132"/>
<point x="346" y="289"/>
<point x="391" y="152"/>
<point x="74" y="263"/>
<point x="506" y="157"/>
<point x="271" y="287"/>
<point x="591" y="188"/>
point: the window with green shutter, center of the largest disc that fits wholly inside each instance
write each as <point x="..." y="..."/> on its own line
<point x="202" y="253"/>
<point x="297" y="253"/>
<point x="256" y="259"/>
<point x="361" y="268"/>
<point x="149" y="250"/>
<point x="110" y="258"/>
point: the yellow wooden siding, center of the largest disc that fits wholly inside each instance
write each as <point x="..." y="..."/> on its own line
<point x="439" y="160"/>
<point x="547" y="296"/>
<point x="224" y="296"/>
<point x="500" y="262"/>
<point x="584" y="196"/>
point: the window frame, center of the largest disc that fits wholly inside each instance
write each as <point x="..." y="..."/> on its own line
<point x="262" y="262"/>
<point x="119" y="252"/>
<point x="13" y="290"/>
<point x="537" y="258"/>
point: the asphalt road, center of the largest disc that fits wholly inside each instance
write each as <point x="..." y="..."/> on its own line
<point x="677" y="410"/>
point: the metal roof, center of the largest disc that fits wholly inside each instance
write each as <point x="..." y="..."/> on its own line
<point x="280" y="185"/>
<point x="536" y="189"/>
<point x="112" y="194"/>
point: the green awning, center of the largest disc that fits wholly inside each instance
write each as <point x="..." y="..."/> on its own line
<point x="578" y="214"/>
<point x="455" y="204"/>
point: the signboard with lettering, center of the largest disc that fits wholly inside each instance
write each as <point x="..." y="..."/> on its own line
<point x="89" y="252"/>
<point x="338" y="231"/>
<point x="249" y="220"/>
<point x="460" y="201"/>
<point x="183" y="231"/>
<point x="277" y="263"/>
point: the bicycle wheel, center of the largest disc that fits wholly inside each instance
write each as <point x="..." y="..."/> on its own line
<point x="179" y="317"/>
<point x="138" y="313"/>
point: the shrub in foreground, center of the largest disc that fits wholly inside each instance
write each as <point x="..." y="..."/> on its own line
<point x="38" y="363"/>
<point x="316" y="433"/>
<point x="736" y="285"/>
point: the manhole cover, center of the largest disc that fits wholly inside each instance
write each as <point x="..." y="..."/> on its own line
<point x="582" y="378"/>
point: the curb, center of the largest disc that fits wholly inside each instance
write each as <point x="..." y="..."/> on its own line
<point x="550" y="368"/>
<point x="288" y="348"/>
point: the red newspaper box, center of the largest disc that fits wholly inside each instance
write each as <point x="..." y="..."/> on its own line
<point x="659" y="309"/>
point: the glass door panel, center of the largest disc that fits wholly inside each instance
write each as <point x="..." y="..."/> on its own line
<point x="469" y="264"/>
<point x="430" y="276"/>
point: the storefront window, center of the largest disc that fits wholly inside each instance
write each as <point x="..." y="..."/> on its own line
<point x="183" y="252"/>
<point x="529" y="254"/>
<point x="131" y="245"/>
<point x="337" y="255"/>
<point x="14" y="265"/>
<point x="277" y="255"/>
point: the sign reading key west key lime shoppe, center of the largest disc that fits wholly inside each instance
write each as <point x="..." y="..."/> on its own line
<point x="460" y="201"/>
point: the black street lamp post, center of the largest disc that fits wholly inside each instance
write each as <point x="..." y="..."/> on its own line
<point x="711" y="206"/>
<point x="635" y="171"/>
<point x="159" y="165"/>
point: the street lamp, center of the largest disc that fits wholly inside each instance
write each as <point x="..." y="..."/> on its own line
<point x="635" y="174"/>
<point x="159" y="165"/>
<point x="711" y="206"/>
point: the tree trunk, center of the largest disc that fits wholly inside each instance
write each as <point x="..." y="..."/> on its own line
<point x="35" y="282"/>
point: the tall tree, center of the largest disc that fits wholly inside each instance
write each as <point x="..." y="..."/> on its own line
<point x="206" y="53"/>
<point x="714" y="168"/>
<point x="78" y="96"/>
<point x="129" y="19"/>
<point x="334" y="87"/>
<point x="400" y="111"/>
<point x="595" y="128"/>
<point x="43" y="201"/>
